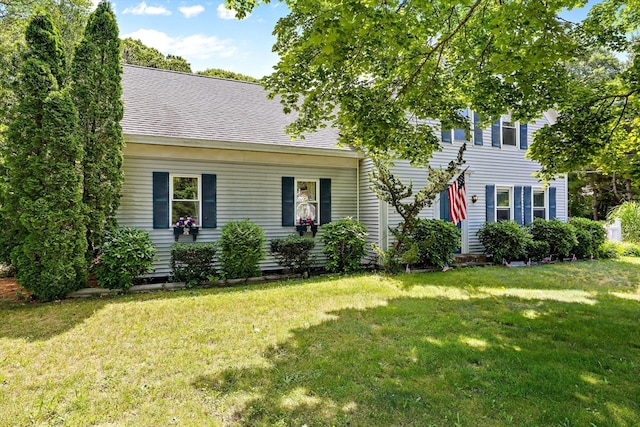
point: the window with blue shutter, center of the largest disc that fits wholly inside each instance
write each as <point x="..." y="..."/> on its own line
<point x="524" y="135"/>
<point x="446" y="135"/>
<point x="552" y="202"/>
<point x="444" y="206"/>
<point x="305" y="200"/>
<point x="288" y="201"/>
<point x="325" y="201"/>
<point x="477" y="130"/>
<point x="527" y="196"/>
<point x="517" y="204"/>
<point x="160" y="195"/>
<point x="495" y="134"/>
<point x="209" y="201"/>
<point x="490" y="197"/>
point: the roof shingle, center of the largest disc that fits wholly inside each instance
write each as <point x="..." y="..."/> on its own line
<point x="179" y="105"/>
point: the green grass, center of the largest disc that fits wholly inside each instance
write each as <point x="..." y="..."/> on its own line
<point x="555" y="345"/>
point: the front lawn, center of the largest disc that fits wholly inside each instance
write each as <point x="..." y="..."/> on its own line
<point x="554" y="345"/>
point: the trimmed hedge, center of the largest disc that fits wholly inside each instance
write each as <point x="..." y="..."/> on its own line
<point x="241" y="249"/>
<point x="193" y="263"/>
<point x="503" y="240"/>
<point x="345" y="243"/>
<point x="590" y="235"/>
<point x="294" y="252"/>
<point x="560" y="236"/>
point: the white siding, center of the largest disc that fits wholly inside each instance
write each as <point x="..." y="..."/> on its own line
<point x="369" y="211"/>
<point x="501" y="166"/>
<point x="244" y="191"/>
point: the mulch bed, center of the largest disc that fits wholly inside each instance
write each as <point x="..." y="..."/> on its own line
<point x="10" y="289"/>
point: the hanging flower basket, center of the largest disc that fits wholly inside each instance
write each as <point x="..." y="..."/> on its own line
<point x="185" y="227"/>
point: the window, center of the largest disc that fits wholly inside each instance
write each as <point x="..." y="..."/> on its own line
<point x="503" y="204"/>
<point x="504" y="132"/>
<point x="307" y="202"/>
<point x="539" y="204"/>
<point x="460" y="134"/>
<point x="185" y="198"/>
<point x="304" y="199"/>
<point x="508" y="134"/>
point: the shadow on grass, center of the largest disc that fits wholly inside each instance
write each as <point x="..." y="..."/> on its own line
<point x="35" y="321"/>
<point x="435" y="361"/>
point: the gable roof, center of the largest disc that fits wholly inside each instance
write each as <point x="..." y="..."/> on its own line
<point x="169" y="104"/>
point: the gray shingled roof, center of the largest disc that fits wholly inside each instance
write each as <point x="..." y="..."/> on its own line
<point x="171" y="104"/>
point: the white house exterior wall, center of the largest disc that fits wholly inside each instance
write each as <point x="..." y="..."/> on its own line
<point x="501" y="166"/>
<point x="244" y="191"/>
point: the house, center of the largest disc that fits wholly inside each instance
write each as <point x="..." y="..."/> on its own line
<point x="215" y="150"/>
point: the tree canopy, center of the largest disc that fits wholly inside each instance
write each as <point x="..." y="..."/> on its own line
<point x="135" y="52"/>
<point x="218" y="72"/>
<point x="386" y="68"/>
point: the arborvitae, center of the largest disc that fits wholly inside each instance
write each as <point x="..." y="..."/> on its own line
<point x="97" y="93"/>
<point x="44" y="205"/>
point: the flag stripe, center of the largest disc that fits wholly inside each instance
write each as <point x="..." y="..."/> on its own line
<point x="457" y="200"/>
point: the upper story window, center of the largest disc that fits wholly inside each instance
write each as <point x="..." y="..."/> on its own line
<point x="539" y="204"/>
<point x="185" y="197"/>
<point x="460" y="134"/>
<point x="508" y="133"/>
<point x="307" y="202"/>
<point x="503" y="204"/>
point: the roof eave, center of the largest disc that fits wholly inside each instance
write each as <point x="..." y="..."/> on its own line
<point x="241" y="146"/>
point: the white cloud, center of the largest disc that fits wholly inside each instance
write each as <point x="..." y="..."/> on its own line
<point x="225" y="13"/>
<point x="197" y="46"/>
<point x="190" y="11"/>
<point x="143" y="9"/>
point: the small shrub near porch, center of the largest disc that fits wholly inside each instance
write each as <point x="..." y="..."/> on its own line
<point x="345" y="243"/>
<point x="241" y="249"/>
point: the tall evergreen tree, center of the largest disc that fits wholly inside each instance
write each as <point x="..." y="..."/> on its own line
<point x="43" y="159"/>
<point x="97" y="93"/>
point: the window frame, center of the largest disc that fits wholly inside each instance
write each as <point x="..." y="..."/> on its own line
<point x="544" y="207"/>
<point x="510" y="192"/>
<point x="316" y="202"/>
<point x="513" y="126"/>
<point x="199" y="201"/>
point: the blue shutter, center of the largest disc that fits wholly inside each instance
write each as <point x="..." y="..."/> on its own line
<point x="495" y="133"/>
<point x="444" y="206"/>
<point x="160" y="199"/>
<point x="477" y="130"/>
<point x="552" y="202"/>
<point x="490" y="197"/>
<point x="288" y="196"/>
<point x="446" y="135"/>
<point x="528" y="201"/>
<point x="325" y="201"/>
<point x="517" y="204"/>
<point x="524" y="135"/>
<point x="209" y="201"/>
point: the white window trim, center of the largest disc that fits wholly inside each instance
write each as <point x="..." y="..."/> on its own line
<point x="546" y="202"/>
<point x="511" y="202"/>
<point x="516" y="126"/>
<point x="171" y="199"/>
<point x="317" y="201"/>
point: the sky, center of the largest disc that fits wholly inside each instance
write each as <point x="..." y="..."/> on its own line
<point x="208" y="35"/>
<point x="205" y="33"/>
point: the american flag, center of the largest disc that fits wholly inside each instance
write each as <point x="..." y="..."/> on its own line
<point x="457" y="200"/>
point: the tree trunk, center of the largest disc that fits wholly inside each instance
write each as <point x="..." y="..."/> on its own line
<point x="627" y="183"/>
<point x="594" y="203"/>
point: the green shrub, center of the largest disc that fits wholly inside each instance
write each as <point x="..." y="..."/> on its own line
<point x="126" y="254"/>
<point x="241" y="249"/>
<point x="536" y="250"/>
<point x="503" y="239"/>
<point x="345" y="243"/>
<point x="608" y="249"/>
<point x="590" y="235"/>
<point x="294" y="252"/>
<point x="629" y="215"/>
<point x="560" y="236"/>
<point x="629" y="249"/>
<point x="193" y="263"/>
<point x="436" y="240"/>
